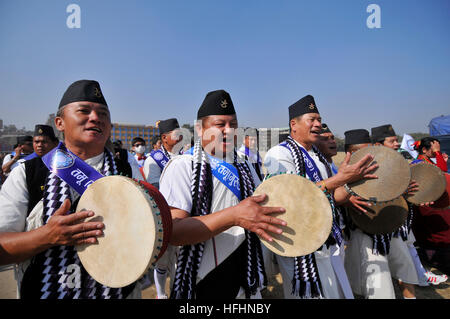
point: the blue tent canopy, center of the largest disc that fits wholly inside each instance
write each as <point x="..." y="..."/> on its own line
<point x="440" y="125"/>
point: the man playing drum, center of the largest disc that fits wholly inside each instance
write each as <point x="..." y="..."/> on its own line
<point x="215" y="216"/>
<point x="314" y="276"/>
<point x="372" y="260"/>
<point x="385" y="135"/>
<point x="40" y="237"/>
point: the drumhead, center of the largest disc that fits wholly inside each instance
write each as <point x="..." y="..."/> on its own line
<point x="431" y="182"/>
<point x="385" y="217"/>
<point x="133" y="229"/>
<point x="393" y="174"/>
<point x="308" y="214"/>
<point x="444" y="201"/>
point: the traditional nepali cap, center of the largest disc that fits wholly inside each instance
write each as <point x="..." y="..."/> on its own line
<point x="83" y="90"/>
<point x="45" y="130"/>
<point x="358" y="136"/>
<point x="168" y="125"/>
<point x="216" y="103"/>
<point x="379" y="133"/>
<point x="24" y="139"/>
<point x="304" y="105"/>
<point x="325" y="129"/>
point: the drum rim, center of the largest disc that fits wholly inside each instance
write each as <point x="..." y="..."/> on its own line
<point x="400" y="190"/>
<point x="355" y="212"/>
<point x="149" y="257"/>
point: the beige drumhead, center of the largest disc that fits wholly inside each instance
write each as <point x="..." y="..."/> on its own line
<point x="384" y="217"/>
<point x="308" y="214"/>
<point x="393" y="174"/>
<point x="126" y="250"/>
<point x="431" y="182"/>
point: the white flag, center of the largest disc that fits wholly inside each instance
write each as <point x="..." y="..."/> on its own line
<point x="407" y="145"/>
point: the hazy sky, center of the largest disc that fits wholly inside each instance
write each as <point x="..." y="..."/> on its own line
<point x="158" y="59"/>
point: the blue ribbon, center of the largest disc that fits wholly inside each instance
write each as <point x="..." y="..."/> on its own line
<point x="311" y="168"/>
<point x="31" y="156"/>
<point x="225" y="172"/>
<point x="70" y="168"/>
<point x="160" y="158"/>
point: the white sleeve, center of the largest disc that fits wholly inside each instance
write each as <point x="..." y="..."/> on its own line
<point x="152" y="171"/>
<point x="7" y="159"/>
<point x="14" y="201"/>
<point x="175" y="182"/>
<point x="279" y="160"/>
<point x="135" y="172"/>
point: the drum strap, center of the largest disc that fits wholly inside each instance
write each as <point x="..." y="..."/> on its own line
<point x="190" y="256"/>
<point x="57" y="273"/>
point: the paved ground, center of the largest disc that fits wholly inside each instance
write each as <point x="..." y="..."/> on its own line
<point x="273" y="291"/>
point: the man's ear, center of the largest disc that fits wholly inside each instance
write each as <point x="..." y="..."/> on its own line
<point x="59" y="123"/>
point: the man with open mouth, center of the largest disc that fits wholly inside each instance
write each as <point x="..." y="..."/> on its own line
<point x="38" y="226"/>
<point x="316" y="275"/>
<point x="215" y="217"/>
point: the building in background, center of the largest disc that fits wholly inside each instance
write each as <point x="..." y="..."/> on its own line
<point x="126" y="132"/>
<point x="269" y="137"/>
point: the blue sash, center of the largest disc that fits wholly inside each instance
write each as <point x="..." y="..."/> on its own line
<point x="70" y="168"/>
<point x="334" y="168"/>
<point x="226" y="173"/>
<point x="31" y="156"/>
<point x="311" y="168"/>
<point x="160" y="158"/>
<point x="25" y="157"/>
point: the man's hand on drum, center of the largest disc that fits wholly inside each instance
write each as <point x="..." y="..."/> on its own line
<point x="71" y="229"/>
<point x="414" y="187"/>
<point x="362" y="169"/>
<point x="360" y="204"/>
<point x="249" y="214"/>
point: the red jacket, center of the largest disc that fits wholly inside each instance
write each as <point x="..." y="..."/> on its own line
<point x="440" y="162"/>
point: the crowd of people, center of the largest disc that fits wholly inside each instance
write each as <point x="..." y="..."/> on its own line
<point x="215" y="250"/>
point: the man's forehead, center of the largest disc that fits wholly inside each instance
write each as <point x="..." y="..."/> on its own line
<point x="40" y="137"/>
<point x="391" y="138"/>
<point x="327" y="135"/>
<point x="93" y="105"/>
<point x="311" y="116"/>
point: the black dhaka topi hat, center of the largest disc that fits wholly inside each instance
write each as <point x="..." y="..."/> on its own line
<point x="83" y="90"/>
<point x="216" y="103"/>
<point x="305" y="105"/>
<point x="168" y="125"/>
<point x="358" y="136"/>
<point x="379" y="133"/>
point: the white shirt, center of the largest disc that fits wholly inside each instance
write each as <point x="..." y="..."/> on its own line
<point x="9" y="158"/>
<point x="152" y="171"/>
<point x="279" y="160"/>
<point x="175" y="185"/>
